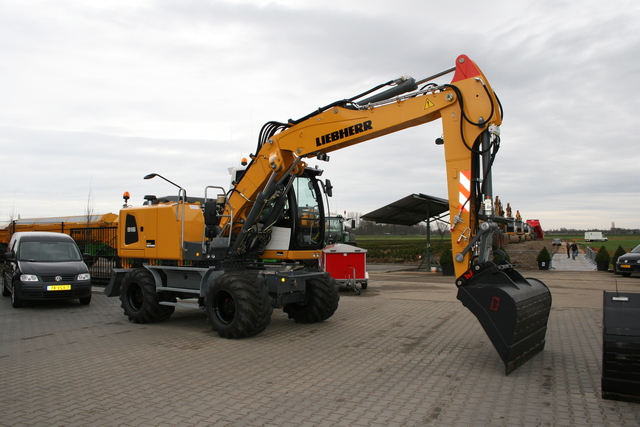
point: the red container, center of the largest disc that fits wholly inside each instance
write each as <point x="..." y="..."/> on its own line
<point x="345" y="263"/>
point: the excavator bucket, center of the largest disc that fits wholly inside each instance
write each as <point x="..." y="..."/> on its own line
<point x="512" y="310"/>
<point x="621" y="346"/>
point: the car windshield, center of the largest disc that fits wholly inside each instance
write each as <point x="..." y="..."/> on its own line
<point x="636" y="250"/>
<point x="49" y="251"/>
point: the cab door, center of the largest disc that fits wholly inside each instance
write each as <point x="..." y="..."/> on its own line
<point x="308" y="228"/>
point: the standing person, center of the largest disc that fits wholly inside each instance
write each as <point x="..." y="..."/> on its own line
<point x="568" y="250"/>
<point x="574" y="250"/>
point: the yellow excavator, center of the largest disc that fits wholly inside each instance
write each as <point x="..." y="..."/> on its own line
<point x="256" y="247"/>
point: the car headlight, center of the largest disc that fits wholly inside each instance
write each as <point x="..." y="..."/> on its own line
<point x="83" y="276"/>
<point x="28" y="278"/>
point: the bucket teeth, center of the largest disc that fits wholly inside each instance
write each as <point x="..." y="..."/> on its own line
<point x="512" y="310"/>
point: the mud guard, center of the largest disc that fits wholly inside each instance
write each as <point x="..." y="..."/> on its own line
<point x="512" y="310"/>
<point x="113" y="288"/>
<point x="621" y="346"/>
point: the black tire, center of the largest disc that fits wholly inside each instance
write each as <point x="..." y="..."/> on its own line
<point x="626" y="274"/>
<point x="85" y="300"/>
<point x="322" y="299"/>
<point x="16" y="302"/>
<point x="238" y="306"/>
<point x="5" y="291"/>
<point x="364" y="284"/>
<point x="139" y="300"/>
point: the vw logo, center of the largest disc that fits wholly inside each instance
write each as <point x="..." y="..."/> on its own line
<point x="58" y="278"/>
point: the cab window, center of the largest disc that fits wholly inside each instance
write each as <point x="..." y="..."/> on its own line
<point x="308" y="219"/>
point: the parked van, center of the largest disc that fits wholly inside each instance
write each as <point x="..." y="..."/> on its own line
<point x="44" y="266"/>
<point x="594" y="236"/>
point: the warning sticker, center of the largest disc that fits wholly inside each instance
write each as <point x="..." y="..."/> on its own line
<point x="429" y="104"/>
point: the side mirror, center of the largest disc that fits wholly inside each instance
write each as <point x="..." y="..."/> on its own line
<point x="329" y="188"/>
<point x="9" y="256"/>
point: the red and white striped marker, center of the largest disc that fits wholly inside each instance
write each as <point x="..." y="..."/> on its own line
<point x="465" y="190"/>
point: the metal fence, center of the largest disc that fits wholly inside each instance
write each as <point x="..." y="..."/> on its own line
<point x="100" y="243"/>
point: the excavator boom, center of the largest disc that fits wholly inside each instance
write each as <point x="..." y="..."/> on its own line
<point x="468" y="108"/>
<point x="512" y="310"/>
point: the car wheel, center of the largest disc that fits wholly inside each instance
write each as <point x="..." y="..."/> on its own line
<point x="5" y="291"/>
<point x="85" y="300"/>
<point x="16" y="302"/>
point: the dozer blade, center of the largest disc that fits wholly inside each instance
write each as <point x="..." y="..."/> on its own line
<point x="512" y="310"/>
<point x="621" y="346"/>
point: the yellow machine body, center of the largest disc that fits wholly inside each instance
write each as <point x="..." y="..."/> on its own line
<point x="157" y="231"/>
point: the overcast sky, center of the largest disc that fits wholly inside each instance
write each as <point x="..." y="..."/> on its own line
<point x="95" y="95"/>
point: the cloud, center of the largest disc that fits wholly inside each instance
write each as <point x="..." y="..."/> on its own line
<point x="182" y="88"/>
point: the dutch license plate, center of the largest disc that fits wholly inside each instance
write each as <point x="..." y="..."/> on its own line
<point x="625" y="266"/>
<point x="59" y="288"/>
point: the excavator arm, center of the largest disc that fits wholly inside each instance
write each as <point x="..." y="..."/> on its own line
<point x="467" y="107"/>
<point x="512" y="310"/>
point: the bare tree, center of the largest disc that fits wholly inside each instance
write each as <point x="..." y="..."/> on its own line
<point x="443" y="227"/>
<point x="87" y="238"/>
<point x="90" y="210"/>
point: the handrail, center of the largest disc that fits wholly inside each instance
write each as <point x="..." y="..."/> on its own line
<point x="230" y="216"/>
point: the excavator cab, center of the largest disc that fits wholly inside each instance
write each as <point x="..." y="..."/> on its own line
<point x="289" y="223"/>
<point x="300" y="220"/>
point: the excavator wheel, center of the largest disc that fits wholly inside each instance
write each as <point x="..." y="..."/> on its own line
<point x="238" y="306"/>
<point x="320" y="303"/>
<point x="139" y="299"/>
<point x="512" y="310"/>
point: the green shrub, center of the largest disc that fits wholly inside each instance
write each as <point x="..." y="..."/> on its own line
<point x="398" y="249"/>
<point x="544" y="255"/>
<point x="446" y="257"/>
<point x="603" y="255"/>
<point x="620" y="251"/>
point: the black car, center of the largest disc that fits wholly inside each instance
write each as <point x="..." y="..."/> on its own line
<point x="44" y="266"/>
<point x="629" y="262"/>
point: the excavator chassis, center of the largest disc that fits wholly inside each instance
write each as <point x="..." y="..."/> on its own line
<point x="512" y="310"/>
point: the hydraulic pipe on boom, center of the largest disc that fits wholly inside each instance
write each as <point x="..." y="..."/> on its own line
<point x="512" y="310"/>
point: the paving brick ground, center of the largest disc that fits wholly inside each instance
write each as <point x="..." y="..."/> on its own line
<point x="562" y="262"/>
<point x="393" y="356"/>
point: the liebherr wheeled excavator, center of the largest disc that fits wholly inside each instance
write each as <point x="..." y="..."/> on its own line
<point x="256" y="247"/>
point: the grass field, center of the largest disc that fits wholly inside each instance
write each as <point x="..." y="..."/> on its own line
<point x="390" y="248"/>
<point x="400" y="248"/>
<point x="627" y="241"/>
